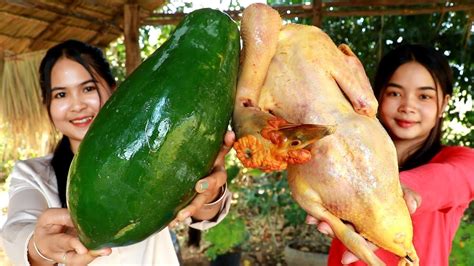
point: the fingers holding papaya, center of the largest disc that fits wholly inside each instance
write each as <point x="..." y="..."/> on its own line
<point x="229" y="139"/>
<point x="211" y="189"/>
<point x="208" y="201"/>
<point x="55" y="240"/>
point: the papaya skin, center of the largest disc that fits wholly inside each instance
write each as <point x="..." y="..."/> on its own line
<point x="157" y="135"/>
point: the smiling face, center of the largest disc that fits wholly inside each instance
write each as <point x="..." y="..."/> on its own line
<point x="76" y="98"/>
<point x="411" y="104"/>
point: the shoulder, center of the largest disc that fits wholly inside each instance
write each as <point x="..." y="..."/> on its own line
<point x="33" y="166"/>
<point x="465" y="154"/>
<point x="32" y="172"/>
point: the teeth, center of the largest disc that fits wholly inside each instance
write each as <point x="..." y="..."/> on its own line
<point x="84" y="120"/>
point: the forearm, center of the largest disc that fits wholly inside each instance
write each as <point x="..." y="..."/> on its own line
<point x="34" y="256"/>
<point x="23" y="211"/>
<point x="441" y="185"/>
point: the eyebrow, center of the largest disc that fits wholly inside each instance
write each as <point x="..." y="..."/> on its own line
<point x="390" y="84"/>
<point x="82" y="83"/>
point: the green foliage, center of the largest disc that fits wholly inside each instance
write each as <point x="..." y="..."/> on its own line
<point x="225" y="236"/>
<point x="232" y="172"/>
<point x="116" y="54"/>
<point x="151" y="38"/>
<point x="462" y="253"/>
<point x="372" y="37"/>
<point x="276" y="219"/>
<point x="269" y="194"/>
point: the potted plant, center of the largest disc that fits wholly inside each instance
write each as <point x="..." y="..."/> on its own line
<point x="224" y="240"/>
<point x="278" y="232"/>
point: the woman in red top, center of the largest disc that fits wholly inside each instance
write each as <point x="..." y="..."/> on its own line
<point x="413" y="85"/>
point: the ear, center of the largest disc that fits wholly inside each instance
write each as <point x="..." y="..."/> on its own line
<point x="444" y="104"/>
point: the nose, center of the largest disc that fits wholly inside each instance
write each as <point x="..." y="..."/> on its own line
<point x="77" y="104"/>
<point x="407" y="104"/>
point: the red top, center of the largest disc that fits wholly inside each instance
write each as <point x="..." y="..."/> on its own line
<point x="446" y="186"/>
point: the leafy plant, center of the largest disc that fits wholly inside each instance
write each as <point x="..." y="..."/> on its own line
<point x="276" y="218"/>
<point x="462" y="252"/>
<point x="225" y="236"/>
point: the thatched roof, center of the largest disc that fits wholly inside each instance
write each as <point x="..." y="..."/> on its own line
<point x="32" y="25"/>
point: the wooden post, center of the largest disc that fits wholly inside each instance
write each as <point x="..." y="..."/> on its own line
<point x="131" y="25"/>
<point x="2" y="63"/>
<point x="317" y="13"/>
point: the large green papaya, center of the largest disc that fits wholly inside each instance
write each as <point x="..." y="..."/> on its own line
<point x="158" y="134"/>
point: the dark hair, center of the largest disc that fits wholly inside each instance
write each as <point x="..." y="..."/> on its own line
<point x="437" y="65"/>
<point x="93" y="60"/>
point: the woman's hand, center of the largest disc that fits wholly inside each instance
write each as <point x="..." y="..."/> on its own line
<point x="354" y="83"/>
<point x="55" y="240"/>
<point x="412" y="200"/>
<point x="209" y="188"/>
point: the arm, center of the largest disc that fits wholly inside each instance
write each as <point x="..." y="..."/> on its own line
<point x="55" y="240"/>
<point x="32" y="222"/>
<point x="445" y="182"/>
<point x="23" y="211"/>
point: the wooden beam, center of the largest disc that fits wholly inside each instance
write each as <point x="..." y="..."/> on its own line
<point x="365" y="3"/>
<point x="398" y="11"/>
<point x="2" y="63"/>
<point x="175" y="18"/>
<point x="307" y="11"/>
<point x="131" y="35"/>
<point x="317" y="13"/>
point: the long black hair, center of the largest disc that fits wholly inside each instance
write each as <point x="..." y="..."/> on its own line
<point x="93" y="60"/>
<point x="437" y="65"/>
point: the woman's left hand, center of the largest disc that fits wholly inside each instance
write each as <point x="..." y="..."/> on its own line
<point x="209" y="188"/>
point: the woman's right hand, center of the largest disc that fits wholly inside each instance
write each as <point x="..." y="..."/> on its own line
<point x="56" y="239"/>
<point x="412" y="200"/>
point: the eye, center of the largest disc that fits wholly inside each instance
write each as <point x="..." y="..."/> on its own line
<point x="425" y="97"/>
<point x="295" y="142"/>
<point x="90" y="88"/>
<point x="59" y="95"/>
<point x="393" y="94"/>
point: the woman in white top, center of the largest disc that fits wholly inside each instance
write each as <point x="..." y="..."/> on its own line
<point x="76" y="81"/>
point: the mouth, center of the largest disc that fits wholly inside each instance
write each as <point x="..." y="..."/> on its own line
<point x="82" y="121"/>
<point x="405" y="123"/>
